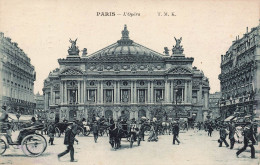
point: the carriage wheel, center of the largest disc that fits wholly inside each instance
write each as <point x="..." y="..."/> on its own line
<point x="3" y="146"/>
<point x="131" y="140"/>
<point x="57" y="132"/>
<point x="33" y="145"/>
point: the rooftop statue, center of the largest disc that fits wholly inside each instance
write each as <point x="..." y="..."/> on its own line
<point x="84" y="52"/>
<point x="166" y="51"/>
<point x="177" y="49"/>
<point x="73" y="49"/>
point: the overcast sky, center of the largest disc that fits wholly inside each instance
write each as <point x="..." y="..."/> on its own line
<point x="43" y="28"/>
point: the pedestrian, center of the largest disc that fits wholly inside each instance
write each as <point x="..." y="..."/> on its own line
<point x="249" y="140"/>
<point x="210" y="129"/>
<point x="231" y="135"/>
<point x="175" y="132"/>
<point x="95" y="131"/>
<point x="69" y="139"/>
<point x="223" y="135"/>
<point x="51" y="132"/>
<point x="142" y="130"/>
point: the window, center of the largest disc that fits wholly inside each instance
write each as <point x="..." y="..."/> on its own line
<point x="159" y="95"/>
<point x="92" y="83"/>
<point x="108" y="96"/>
<point x="57" y="97"/>
<point x="91" y="95"/>
<point x="141" y="95"/>
<point x="125" y="95"/>
<point x="108" y="83"/>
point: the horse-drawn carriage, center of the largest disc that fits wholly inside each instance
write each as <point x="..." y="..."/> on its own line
<point x="123" y="130"/>
<point x="32" y="143"/>
<point x="62" y="126"/>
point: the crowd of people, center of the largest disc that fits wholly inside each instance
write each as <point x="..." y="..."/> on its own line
<point x="154" y="127"/>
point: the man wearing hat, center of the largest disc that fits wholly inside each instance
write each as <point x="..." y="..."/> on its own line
<point x="95" y="131"/>
<point x="249" y="140"/>
<point x="175" y="132"/>
<point x="69" y="139"/>
<point x="223" y="135"/>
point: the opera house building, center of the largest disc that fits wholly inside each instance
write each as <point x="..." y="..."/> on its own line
<point x="126" y="78"/>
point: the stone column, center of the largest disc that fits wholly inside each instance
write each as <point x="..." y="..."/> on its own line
<point x="166" y="91"/>
<point x="118" y="92"/>
<point x="200" y="94"/>
<point x="135" y="93"/>
<point x="98" y="92"/>
<point x="101" y="95"/>
<point x="65" y="93"/>
<point x="84" y="92"/>
<point x="152" y="97"/>
<point x="185" y="92"/>
<point x="171" y="91"/>
<point x="115" y="92"/>
<point x="149" y="92"/>
<point x="132" y="92"/>
<point x="61" y="92"/>
<point x="79" y="92"/>
<point x="45" y="101"/>
<point x="206" y="99"/>
<point x="51" y="102"/>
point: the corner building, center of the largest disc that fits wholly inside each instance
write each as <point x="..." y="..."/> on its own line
<point x="240" y="76"/>
<point x="17" y="76"/>
<point x="127" y="78"/>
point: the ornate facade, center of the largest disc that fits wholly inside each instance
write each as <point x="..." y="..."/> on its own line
<point x="214" y="100"/>
<point x="17" y="78"/>
<point x="127" y="78"/>
<point x="240" y="76"/>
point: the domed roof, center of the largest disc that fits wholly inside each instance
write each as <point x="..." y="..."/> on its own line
<point x="125" y="46"/>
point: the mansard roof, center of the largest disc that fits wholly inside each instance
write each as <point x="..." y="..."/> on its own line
<point x="124" y="47"/>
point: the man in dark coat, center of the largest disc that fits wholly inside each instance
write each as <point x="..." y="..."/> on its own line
<point x="69" y="141"/>
<point x="231" y="135"/>
<point x="223" y="136"/>
<point x="249" y="140"/>
<point x="210" y="129"/>
<point x="175" y="132"/>
<point x="51" y="132"/>
<point x="142" y="130"/>
<point x="95" y="131"/>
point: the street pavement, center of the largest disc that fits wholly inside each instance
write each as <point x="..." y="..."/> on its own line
<point x="196" y="148"/>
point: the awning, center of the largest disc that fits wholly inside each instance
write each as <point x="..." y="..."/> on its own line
<point x="229" y="118"/>
<point x="13" y="117"/>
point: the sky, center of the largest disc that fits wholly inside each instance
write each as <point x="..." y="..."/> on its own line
<point x="43" y="28"/>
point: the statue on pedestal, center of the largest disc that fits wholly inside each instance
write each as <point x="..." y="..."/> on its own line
<point x="177" y="49"/>
<point x="73" y="49"/>
<point x="166" y="51"/>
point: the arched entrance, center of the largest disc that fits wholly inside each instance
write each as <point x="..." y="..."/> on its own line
<point x="141" y="113"/>
<point x="108" y="113"/>
<point x="72" y="114"/>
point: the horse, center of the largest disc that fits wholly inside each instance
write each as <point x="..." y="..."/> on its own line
<point x="114" y="136"/>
